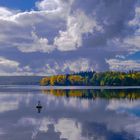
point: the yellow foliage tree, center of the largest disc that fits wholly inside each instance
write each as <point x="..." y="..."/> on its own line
<point x="76" y="79"/>
<point x="61" y="79"/>
<point x="45" y="81"/>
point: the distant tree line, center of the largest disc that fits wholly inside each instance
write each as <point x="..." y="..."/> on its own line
<point x="92" y="78"/>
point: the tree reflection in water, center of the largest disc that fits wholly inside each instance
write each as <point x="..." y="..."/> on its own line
<point x="94" y="94"/>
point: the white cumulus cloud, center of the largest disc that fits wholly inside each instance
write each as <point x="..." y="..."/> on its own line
<point x="81" y="64"/>
<point x="77" y="25"/>
<point x="38" y="44"/>
<point x="123" y="65"/>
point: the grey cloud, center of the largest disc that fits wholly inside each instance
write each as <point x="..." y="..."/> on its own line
<point x="112" y="15"/>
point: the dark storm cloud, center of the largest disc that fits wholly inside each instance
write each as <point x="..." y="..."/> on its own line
<point x="112" y="15"/>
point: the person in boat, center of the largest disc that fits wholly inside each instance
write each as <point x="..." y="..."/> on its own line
<point x="39" y="107"/>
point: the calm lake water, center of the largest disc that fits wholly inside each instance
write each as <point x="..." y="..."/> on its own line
<point x="69" y="114"/>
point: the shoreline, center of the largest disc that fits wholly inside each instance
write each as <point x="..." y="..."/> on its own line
<point x="65" y="87"/>
<point x="90" y="87"/>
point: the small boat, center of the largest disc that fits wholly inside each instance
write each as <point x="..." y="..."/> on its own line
<point x="39" y="107"/>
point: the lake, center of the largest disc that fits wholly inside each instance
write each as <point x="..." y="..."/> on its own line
<point x="75" y="114"/>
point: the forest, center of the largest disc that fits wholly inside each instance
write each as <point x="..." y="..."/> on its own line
<point x="92" y="78"/>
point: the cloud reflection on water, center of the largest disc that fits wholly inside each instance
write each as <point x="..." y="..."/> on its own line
<point x="65" y="117"/>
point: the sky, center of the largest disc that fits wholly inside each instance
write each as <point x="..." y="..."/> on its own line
<point x="47" y="37"/>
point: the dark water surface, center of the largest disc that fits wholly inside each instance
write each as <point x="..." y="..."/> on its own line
<point x="69" y="114"/>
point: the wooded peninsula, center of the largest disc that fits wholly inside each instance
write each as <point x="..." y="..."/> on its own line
<point x="92" y="78"/>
